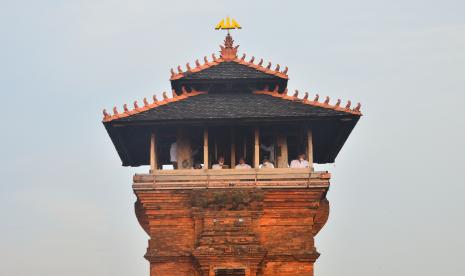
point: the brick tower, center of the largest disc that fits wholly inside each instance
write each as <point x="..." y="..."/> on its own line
<point x="217" y="219"/>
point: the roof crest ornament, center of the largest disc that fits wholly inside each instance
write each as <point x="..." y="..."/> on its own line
<point x="305" y="98"/>
<point x="228" y="53"/>
<point x="228" y="50"/>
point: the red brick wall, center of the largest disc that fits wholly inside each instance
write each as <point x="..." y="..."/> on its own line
<point x="268" y="232"/>
<point x="288" y="269"/>
<point x="173" y="269"/>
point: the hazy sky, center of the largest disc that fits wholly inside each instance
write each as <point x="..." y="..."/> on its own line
<point x="398" y="189"/>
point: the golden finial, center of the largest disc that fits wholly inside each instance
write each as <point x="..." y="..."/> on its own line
<point x="228" y="24"/>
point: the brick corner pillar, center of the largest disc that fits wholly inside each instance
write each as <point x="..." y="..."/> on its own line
<point x="163" y="215"/>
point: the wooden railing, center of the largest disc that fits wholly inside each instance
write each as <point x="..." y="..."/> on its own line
<point x="231" y="178"/>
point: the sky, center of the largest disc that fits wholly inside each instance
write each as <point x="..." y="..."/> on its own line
<point x="398" y="190"/>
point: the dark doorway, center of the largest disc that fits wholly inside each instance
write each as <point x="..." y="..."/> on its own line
<point x="230" y="272"/>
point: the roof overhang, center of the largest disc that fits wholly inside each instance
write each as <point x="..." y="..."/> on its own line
<point x="132" y="140"/>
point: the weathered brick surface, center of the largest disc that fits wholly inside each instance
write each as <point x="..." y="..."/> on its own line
<point x="173" y="269"/>
<point x="265" y="232"/>
<point x="288" y="268"/>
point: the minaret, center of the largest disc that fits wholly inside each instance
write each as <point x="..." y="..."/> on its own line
<point x="207" y="218"/>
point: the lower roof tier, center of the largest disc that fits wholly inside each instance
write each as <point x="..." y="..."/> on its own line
<point x="330" y="126"/>
<point x="232" y="106"/>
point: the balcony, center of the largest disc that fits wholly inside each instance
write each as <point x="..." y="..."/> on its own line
<point x="231" y="178"/>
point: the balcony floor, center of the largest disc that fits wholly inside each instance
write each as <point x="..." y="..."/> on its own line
<point x="231" y="178"/>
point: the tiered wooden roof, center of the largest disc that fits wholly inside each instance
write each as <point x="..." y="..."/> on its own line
<point x="231" y="91"/>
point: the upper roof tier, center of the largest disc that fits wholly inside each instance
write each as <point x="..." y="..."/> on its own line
<point x="229" y="70"/>
<point x="229" y="67"/>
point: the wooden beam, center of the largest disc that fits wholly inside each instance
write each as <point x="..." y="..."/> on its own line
<point x="310" y="148"/>
<point x="233" y="148"/>
<point x="205" y="148"/>
<point x="256" y="155"/>
<point x="153" y="153"/>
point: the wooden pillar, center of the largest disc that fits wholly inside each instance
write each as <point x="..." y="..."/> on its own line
<point x="233" y="148"/>
<point x="205" y="148"/>
<point x="184" y="149"/>
<point x="310" y="148"/>
<point x="153" y="153"/>
<point x="215" y="144"/>
<point x="256" y="155"/>
<point x="244" y="147"/>
<point x="282" y="154"/>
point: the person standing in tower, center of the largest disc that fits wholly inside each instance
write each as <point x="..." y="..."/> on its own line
<point x="220" y="164"/>
<point x="266" y="164"/>
<point x="269" y="147"/>
<point x="242" y="164"/>
<point x="174" y="154"/>
<point x="300" y="162"/>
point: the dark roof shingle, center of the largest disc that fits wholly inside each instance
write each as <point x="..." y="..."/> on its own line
<point x="227" y="71"/>
<point x="232" y="106"/>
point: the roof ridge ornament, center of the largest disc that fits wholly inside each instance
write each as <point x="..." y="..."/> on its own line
<point x="228" y="50"/>
<point x="228" y="53"/>
<point x="147" y="106"/>
<point x="295" y="97"/>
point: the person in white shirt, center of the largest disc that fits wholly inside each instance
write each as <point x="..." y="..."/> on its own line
<point x="219" y="165"/>
<point x="174" y="155"/>
<point x="268" y="146"/>
<point x="266" y="164"/>
<point x="300" y="162"/>
<point x="242" y="164"/>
